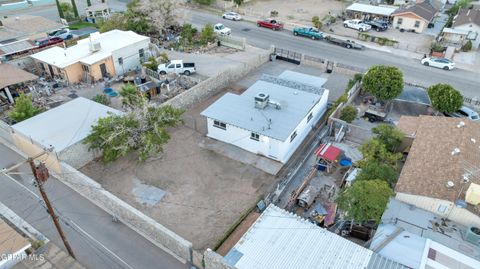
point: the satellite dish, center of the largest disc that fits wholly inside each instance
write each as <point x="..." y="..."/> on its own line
<point x="460" y="203"/>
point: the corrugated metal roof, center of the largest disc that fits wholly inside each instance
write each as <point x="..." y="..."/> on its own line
<point x="378" y="10"/>
<point x="279" y="239"/>
<point x="240" y="111"/>
<point x="17" y="46"/>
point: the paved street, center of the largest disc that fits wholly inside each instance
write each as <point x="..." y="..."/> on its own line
<point x="95" y="239"/>
<point x="465" y="81"/>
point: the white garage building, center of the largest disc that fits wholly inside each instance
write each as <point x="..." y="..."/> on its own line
<point x="272" y="117"/>
<point x="63" y="129"/>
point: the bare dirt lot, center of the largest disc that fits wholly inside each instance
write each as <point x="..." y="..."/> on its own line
<point x="204" y="192"/>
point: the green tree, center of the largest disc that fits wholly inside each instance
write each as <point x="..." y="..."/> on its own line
<point x="59" y="8"/>
<point x="468" y="46"/>
<point x="375" y="170"/>
<point x="102" y="99"/>
<point x="316" y="22"/>
<point x="375" y="151"/>
<point x="390" y="136"/>
<point x="384" y="82"/>
<point x="151" y="63"/>
<point x="348" y="114"/>
<point x="66" y="9"/>
<point x="74" y="7"/>
<point x="143" y="130"/>
<point x="89" y="3"/>
<point x="116" y="21"/>
<point x="187" y="34"/>
<point x="445" y="98"/>
<point x="131" y="97"/>
<point x="207" y="35"/>
<point x="24" y="108"/>
<point x="238" y="2"/>
<point x="365" y="200"/>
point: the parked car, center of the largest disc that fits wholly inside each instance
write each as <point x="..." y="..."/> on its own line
<point x="62" y="33"/>
<point x="178" y="67"/>
<point x="221" y="29"/>
<point x="47" y="41"/>
<point x="308" y="32"/>
<point x="377" y="25"/>
<point x="357" y="25"/>
<point x="442" y="63"/>
<point x="349" y="44"/>
<point x="232" y="16"/>
<point x="270" y="23"/>
<point x="464" y="112"/>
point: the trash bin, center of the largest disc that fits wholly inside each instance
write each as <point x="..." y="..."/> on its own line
<point x="273" y="57"/>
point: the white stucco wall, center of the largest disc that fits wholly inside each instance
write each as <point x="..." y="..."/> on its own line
<point x="131" y="58"/>
<point x="267" y="146"/>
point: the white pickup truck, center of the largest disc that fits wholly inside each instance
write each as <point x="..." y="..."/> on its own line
<point x="178" y="67"/>
<point x="221" y="29"/>
<point x="357" y="25"/>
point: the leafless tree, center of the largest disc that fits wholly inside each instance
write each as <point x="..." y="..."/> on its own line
<point x="162" y="14"/>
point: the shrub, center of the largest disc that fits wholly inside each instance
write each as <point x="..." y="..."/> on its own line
<point x="348" y="114"/>
<point x="316" y="22"/>
<point x="151" y="63"/>
<point x="273" y="13"/>
<point x="437" y="47"/>
<point x="102" y="99"/>
<point x="207" y="35"/>
<point x="204" y="2"/>
<point x="164" y="58"/>
<point x="24" y="108"/>
<point x="468" y="46"/>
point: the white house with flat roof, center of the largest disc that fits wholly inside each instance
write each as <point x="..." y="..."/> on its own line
<point x="271" y="118"/>
<point x="62" y="129"/>
<point x="101" y="55"/>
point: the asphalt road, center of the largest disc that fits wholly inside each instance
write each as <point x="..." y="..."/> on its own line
<point x="465" y="81"/>
<point x="95" y="239"/>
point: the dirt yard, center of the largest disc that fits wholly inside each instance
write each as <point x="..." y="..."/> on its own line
<point x="300" y="11"/>
<point x="204" y="193"/>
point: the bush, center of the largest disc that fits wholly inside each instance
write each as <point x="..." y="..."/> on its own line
<point x="437" y="47"/>
<point x="207" y="35"/>
<point x="468" y="46"/>
<point x="187" y="34"/>
<point x="348" y="114"/>
<point x="316" y="22"/>
<point x="204" y="2"/>
<point x="24" y="108"/>
<point x="102" y="99"/>
<point x="164" y="58"/>
<point x="151" y="63"/>
<point x="273" y="13"/>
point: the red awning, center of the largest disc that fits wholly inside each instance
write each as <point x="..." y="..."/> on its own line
<point x="328" y="152"/>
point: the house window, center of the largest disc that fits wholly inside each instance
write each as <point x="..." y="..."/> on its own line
<point x="254" y="136"/>
<point x="220" y="124"/>
<point x="85" y="68"/>
<point x="141" y="53"/>
<point x="310" y="116"/>
<point x="293" y="136"/>
<point x="417" y="24"/>
<point x="120" y="60"/>
<point x="399" y="21"/>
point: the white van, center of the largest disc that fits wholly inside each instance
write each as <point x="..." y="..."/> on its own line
<point x="465" y="112"/>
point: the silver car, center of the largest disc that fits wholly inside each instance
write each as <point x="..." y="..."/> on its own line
<point x="464" y="112"/>
<point x="232" y="16"/>
<point x="442" y="63"/>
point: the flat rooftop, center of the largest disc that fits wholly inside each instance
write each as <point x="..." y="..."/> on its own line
<point x="64" y="125"/>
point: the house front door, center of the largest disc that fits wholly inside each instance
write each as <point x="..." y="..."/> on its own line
<point x="103" y="69"/>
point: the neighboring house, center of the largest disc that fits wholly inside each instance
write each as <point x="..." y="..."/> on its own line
<point x="62" y="128"/>
<point x="420" y="239"/>
<point x="22" y="27"/>
<point x="370" y="12"/>
<point x="12" y="246"/>
<point x="272" y="117"/>
<point x="441" y="173"/>
<point x="466" y="26"/>
<point x="415" y="17"/>
<point x="282" y="240"/>
<point x="98" y="11"/>
<point x="10" y="77"/>
<point x="102" y="55"/>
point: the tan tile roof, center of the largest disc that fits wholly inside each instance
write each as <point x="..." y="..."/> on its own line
<point x="25" y="26"/>
<point x="10" y="75"/>
<point x="467" y="16"/>
<point x="10" y="240"/>
<point x="430" y="163"/>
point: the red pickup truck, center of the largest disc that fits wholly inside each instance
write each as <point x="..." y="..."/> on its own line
<point x="269" y="23"/>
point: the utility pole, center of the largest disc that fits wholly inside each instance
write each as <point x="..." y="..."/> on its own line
<point x="41" y="175"/>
